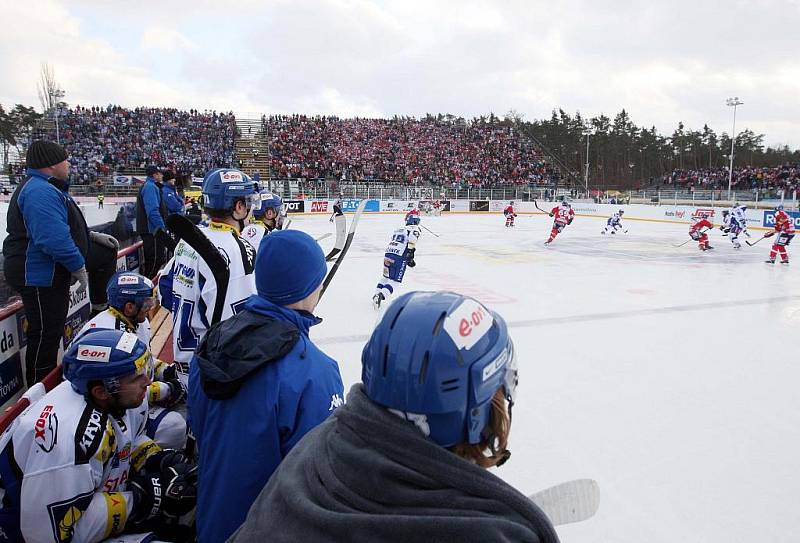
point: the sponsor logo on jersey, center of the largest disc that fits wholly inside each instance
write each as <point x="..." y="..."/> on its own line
<point x="46" y="429"/>
<point x="468" y="324"/>
<point x="65" y="514"/>
<point x="319" y="206"/>
<point x="231" y="176"/>
<point x="89" y="434"/>
<point x="94" y="353"/>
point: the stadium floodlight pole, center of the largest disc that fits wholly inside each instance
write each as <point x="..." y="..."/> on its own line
<point x="734" y="103"/>
<point x="587" y="132"/>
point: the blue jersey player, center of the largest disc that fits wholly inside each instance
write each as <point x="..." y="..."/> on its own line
<point x="398" y="255"/>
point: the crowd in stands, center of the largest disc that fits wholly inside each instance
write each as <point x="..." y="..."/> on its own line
<point x="764" y="179"/>
<point x="101" y="140"/>
<point x="441" y="152"/>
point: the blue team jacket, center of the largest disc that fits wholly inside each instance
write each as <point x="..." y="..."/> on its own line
<point x="172" y="199"/>
<point x="257" y="385"/>
<point x="45" y="228"/>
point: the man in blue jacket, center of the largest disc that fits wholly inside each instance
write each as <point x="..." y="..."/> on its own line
<point x="151" y="211"/>
<point x="172" y="199"/>
<point x="47" y="249"/>
<point x="258" y="380"/>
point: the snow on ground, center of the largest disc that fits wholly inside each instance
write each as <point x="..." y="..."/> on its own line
<point x="668" y="375"/>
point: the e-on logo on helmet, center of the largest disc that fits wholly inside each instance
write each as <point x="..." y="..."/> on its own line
<point x="231" y="176"/>
<point x="94" y="353"/>
<point x="468" y="323"/>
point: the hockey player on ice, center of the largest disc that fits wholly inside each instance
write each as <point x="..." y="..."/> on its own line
<point x="510" y="214"/>
<point x="784" y="227"/>
<point x="414" y="212"/>
<point x="266" y="218"/>
<point x="734" y="224"/>
<point x="130" y="299"/>
<point x="77" y="465"/>
<point x="432" y="415"/>
<point x="701" y="225"/>
<point x="188" y="288"/>
<point x="739" y="215"/>
<point x="564" y="215"/>
<point x="614" y="222"/>
<point x="399" y="254"/>
<point x="337" y="208"/>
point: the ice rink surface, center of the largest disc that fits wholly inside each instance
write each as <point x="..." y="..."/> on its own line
<point x="668" y="375"/>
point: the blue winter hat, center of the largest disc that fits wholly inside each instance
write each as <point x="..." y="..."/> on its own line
<point x="290" y="265"/>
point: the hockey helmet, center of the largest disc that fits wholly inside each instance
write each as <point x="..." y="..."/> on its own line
<point x="223" y="186"/>
<point x="565" y="203"/>
<point x="266" y="200"/>
<point x="105" y="355"/>
<point x="725" y="212"/>
<point x="412" y="220"/>
<point x="124" y="287"/>
<point x="443" y="356"/>
<point x="779" y="207"/>
<point x="621" y="211"/>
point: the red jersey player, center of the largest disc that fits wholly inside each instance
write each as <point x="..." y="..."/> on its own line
<point x="784" y="227"/>
<point x="510" y="214"/>
<point x="698" y="231"/>
<point x="563" y="216"/>
<point x="413" y="213"/>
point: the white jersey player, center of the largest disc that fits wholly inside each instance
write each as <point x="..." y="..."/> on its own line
<point x="68" y="461"/>
<point x="266" y="218"/>
<point x="189" y="288"/>
<point x="614" y="223"/>
<point x="399" y="254"/>
<point x="130" y="299"/>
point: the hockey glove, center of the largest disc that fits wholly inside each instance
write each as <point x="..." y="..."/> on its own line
<point x="769" y="234"/>
<point x="569" y="221"/>
<point x="82" y="277"/>
<point x="177" y="393"/>
<point x="410" y="258"/>
<point x="171" y="493"/>
<point x="105" y="240"/>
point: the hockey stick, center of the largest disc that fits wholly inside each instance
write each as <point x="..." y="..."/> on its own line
<point x="323" y="236"/>
<point x="188" y="232"/>
<point x="539" y="208"/>
<point x="747" y="241"/>
<point x="350" y="234"/>
<point x="429" y="230"/>
<point x="691" y="239"/>
<point x="340" y="224"/>
<point x="573" y="501"/>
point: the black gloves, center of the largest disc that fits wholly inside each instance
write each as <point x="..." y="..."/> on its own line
<point x="165" y="488"/>
<point x="166" y="239"/>
<point x="410" y="257"/>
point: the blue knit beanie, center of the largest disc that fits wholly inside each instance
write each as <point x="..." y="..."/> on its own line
<point x="290" y="265"/>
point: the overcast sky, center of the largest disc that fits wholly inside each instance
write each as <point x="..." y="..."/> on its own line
<point x="663" y="61"/>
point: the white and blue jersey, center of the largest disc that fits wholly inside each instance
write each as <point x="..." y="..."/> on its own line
<point x="396" y="256"/>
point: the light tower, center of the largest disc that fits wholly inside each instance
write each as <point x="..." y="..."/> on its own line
<point x="734" y="103"/>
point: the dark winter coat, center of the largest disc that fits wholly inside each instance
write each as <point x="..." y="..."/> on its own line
<point x="366" y="475"/>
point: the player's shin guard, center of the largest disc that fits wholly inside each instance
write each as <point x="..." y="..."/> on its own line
<point x="784" y="254"/>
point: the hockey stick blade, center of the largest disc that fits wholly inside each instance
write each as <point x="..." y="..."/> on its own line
<point x="350" y="234"/>
<point x="572" y="501"/>
<point x="340" y="224"/>
<point x="747" y="241"/>
<point x="188" y="232"/>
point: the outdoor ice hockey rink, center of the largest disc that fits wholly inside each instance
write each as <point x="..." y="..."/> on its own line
<point x="668" y="375"/>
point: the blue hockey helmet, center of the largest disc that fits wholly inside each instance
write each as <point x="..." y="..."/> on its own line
<point x="779" y="207"/>
<point x="223" y="186"/>
<point x="725" y="212"/>
<point x="412" y="220"/>
<point x="443" y="356"/>
<point x="105" y="355"/>
<point x="124" y="287"/>
<point x="267" y="200"/>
